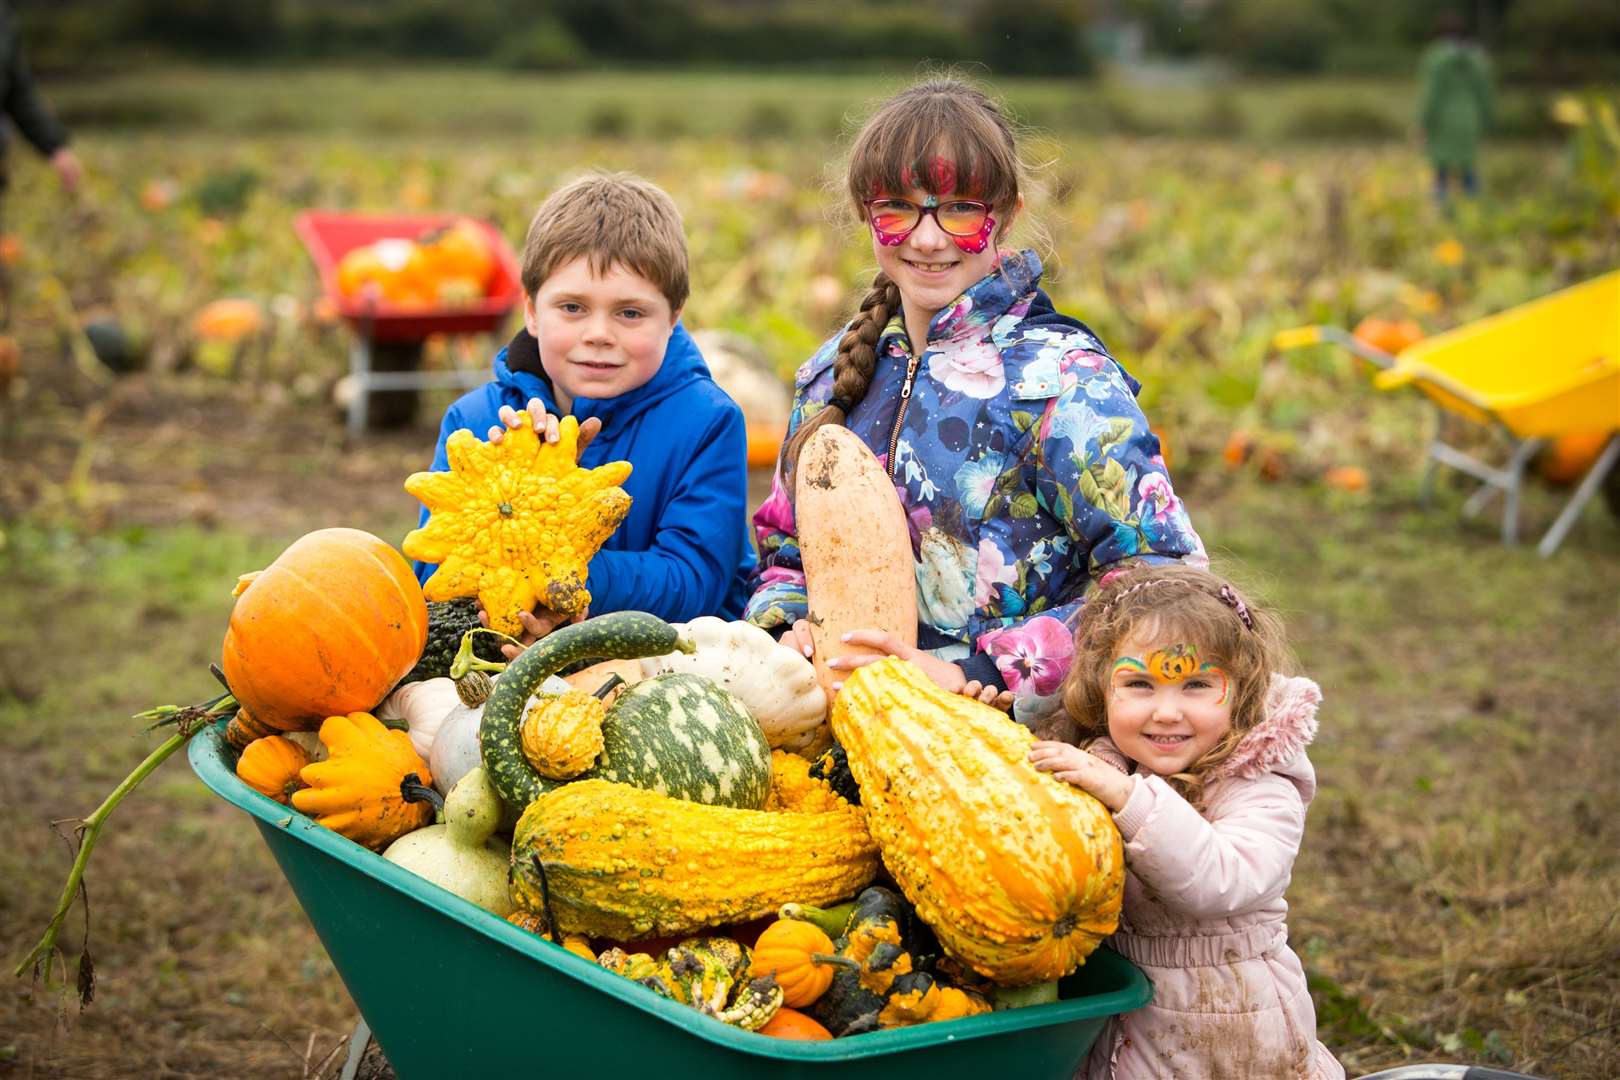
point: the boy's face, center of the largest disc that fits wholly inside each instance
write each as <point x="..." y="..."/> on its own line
<point x="600" y="335"/>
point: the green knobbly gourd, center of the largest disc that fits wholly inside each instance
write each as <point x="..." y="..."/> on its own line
<point x="622" y="635"/>
<point x="686" y="737"/>
<point x="448" y="620"/>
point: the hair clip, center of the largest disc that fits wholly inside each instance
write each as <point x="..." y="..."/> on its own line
<point x="1235" y="602"/>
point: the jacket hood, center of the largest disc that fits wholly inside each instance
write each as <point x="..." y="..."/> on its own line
<point x="519" y="372"/>
<point x="1288" y="728"/>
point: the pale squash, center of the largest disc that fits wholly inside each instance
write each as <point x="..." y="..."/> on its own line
<point x="1019" y="874"/>
<point x="859" y="569"/>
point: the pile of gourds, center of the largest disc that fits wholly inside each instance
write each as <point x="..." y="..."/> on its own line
<point x="443" y="268"/>
<point x="699" y="789"/>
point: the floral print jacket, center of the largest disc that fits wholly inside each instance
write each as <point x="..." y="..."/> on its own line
<point x="1025" y="468"/>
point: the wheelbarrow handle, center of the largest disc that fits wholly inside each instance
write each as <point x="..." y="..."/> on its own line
<point x="1297" y="338"/>
<point x="1304" y="336"/>
<point x="1445" y="1072"/>
<point x="1394" y="378"/>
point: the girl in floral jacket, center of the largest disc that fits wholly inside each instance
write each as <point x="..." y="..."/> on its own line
<point x="1014" y="440"/>
<point x="1197" y="745"/>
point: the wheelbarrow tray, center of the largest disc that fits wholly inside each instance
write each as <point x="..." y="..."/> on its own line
<point x="328" y="235"/>
<point x="1542" y="369"/>
<point x="449" y="989"/>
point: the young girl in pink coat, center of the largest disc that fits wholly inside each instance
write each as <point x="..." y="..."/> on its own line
<point x="1197" y="745"/>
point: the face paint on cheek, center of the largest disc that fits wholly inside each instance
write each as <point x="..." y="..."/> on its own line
<point x="1213" y="672"/>
<point x="975" y="244"/>
<point x="890" y="239"/>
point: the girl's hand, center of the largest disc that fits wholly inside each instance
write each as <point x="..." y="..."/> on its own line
<point x="989" y="695"/>
<point x="1074" y="766"/>
<point x="536" y="625"/>
<point x="545" y="425"/>
<point x="798" y="637"/>
<point x="945" y="674"/>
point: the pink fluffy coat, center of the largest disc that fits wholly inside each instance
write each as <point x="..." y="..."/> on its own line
<point x="1204" y="914"/>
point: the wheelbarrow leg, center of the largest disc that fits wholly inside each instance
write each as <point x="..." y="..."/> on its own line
<point x="360" y="376"/>
<point x="1587" y="488"/>
<point x="1515" y="484"/>
<point x="357" y="1050"/>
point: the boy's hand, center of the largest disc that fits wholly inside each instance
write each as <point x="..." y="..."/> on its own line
<point x="545" y="425"/>
<point x="1074" y="766"/>
<point x="988" y="695"/>
<point x="536" y="625"/>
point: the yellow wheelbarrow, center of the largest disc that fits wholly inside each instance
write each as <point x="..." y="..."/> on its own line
<point x="1543" y="370"/>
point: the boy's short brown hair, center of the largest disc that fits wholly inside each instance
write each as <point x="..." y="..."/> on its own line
<point x="609" y="218"/>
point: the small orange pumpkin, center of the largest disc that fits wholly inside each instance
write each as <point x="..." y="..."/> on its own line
<point x="1568" y="457"/>
<point x="229" y="319"/>
<point x="802" y="958"/>
<point x="792" y="1024"/>
<point x="1392" y="336"/>
<point x="326" y="630"/>
<point x="270" y="766"/>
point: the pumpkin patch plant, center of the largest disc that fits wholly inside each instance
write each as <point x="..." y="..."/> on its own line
<point x="516" y="522"/>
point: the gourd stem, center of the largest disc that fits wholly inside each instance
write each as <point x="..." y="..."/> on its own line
<point x="188" y="721"/>
<point x="412" y="790"/>
<point x="613" y="682"/>
<point x="835" y="961"/>
<point x="545" y="900"/>
<point x="832" y="920"/>
<point x="466" y="660"/>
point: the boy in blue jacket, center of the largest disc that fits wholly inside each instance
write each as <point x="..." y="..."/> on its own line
<point x="604" y="281"/>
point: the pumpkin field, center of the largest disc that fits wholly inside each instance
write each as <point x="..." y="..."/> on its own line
<point x="1456" y="898"/>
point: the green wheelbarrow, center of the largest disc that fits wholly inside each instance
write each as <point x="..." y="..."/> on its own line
<point x="469" y="994"/>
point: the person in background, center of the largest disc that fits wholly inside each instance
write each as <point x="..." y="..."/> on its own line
<point x="1454" y="106"/>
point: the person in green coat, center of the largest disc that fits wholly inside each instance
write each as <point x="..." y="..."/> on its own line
<point x="1454" y="105"/>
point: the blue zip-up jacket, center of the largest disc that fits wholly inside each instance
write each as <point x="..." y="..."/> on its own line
<point x="683" y="551"/>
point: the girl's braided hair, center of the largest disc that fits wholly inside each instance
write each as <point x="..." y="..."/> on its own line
<point x="945" y="118"/>
<point x="1180" y="603"/>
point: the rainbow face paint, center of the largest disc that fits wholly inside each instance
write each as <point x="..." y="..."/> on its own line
<point x="1175" y="664"/>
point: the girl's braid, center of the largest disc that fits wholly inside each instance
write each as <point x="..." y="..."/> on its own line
<point x="853" y="369"/>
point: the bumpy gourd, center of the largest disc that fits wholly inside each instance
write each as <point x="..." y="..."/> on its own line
<point x="270" y="766"/>
<point x="1019" y="874"/>
<point x="562" y="734"/>
<point x="625" y="863"/>
<point x="461" y="854"/>
<point x="356" y="790"/>
<point x="516" y="522"/>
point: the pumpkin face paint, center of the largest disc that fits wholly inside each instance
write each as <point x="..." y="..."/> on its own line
<point x="1166" y="707"/>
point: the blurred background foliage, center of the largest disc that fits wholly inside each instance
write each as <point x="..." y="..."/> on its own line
<point x="1533" y="40"/>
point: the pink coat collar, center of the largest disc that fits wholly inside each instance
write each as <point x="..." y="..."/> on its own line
<point x="1288" y="728"/>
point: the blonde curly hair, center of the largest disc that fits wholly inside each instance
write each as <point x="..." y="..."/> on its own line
<point x="1184" y="603"/>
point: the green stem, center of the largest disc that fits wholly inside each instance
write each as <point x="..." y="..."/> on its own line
<point x="189" y="721"/>
<point x="832" y="920"/>
<point x="466" y="660"/>
<point x="39" y="959"/>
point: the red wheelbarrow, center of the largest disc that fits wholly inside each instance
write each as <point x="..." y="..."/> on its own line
<point x="328" y="235"/>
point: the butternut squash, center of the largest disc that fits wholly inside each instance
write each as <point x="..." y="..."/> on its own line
<point x="859" y="570"/>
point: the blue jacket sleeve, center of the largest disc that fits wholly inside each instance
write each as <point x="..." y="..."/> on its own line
<point x="699" y="539"/>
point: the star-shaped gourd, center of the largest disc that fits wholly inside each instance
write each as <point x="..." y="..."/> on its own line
<point x="516" y="522"/>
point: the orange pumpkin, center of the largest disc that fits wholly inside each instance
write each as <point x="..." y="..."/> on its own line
<point x="462" y="250"/>
<point x="1388" y="335"/>
<point x="1568" y="457"/>
<point x="270" y="766"/>
<point x="791" y="1024"/>
<point x="800" y="955"/>
<point x="229" y="319"/>
<point x="326" y="630"/>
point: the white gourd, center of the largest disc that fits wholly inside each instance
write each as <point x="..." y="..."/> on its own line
<point x="424" y="706"/>
<point x="455" y="748"/>
<point x="775" y="683"/>
<point x="461" y="853"/>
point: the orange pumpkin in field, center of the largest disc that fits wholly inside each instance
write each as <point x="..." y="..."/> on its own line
<point x="459" y="252"/>
<point x="1389" y="335"/>
<point x="326" y="630"/>
<point x="1566" y="459"/>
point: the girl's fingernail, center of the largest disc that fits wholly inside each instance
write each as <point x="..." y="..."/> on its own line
<point x="807" y="650"/>
<point x="837" y="686"/>
<point x="844" y="638"/>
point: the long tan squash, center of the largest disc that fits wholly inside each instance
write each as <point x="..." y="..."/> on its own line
<point x="624" y="863"/>
<point x="1019" y="874"/>
<point x="859" y="570"/>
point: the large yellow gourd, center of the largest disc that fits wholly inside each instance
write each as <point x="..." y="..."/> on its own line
<point x="1019" y="874"/>
<point x="625" y="864"/>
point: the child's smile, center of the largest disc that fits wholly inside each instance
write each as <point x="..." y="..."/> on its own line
<point x="1167" y="707"/>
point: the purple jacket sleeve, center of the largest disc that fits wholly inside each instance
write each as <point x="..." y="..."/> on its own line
<point x="1237" y="861"/>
